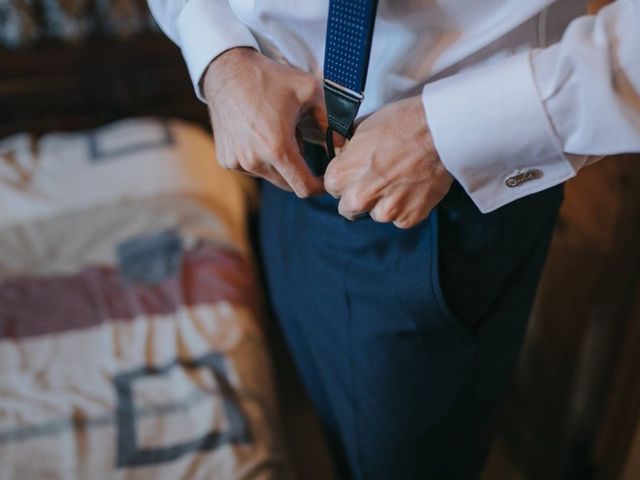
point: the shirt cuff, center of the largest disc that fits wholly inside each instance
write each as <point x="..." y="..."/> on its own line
<point x="205" y="30"/>
<point x="493" y="134"/>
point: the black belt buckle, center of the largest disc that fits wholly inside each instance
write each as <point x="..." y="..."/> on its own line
<point x="342" y="108"/>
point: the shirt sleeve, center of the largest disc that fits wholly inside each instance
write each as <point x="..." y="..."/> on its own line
<point x="203" y="29"/>
<point x="531" y="121"/>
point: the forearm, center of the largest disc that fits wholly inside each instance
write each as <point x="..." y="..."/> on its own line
<point x="547" y="112"/>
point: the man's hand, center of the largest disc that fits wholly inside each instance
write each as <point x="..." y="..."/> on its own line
<point x="390" y="167"/>
<point x="256" y="105"/>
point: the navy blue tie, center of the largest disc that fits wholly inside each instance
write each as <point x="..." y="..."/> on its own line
<point x="346" y="61"/>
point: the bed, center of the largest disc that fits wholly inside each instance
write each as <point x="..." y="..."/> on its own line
<point x="131" y="343"/>
<point x="132" y="323"/>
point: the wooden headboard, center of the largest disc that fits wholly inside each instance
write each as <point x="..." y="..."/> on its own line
<point x="57" y="86"/>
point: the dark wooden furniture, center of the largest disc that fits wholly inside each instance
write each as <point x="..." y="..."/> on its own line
<point x="53" y="86"/>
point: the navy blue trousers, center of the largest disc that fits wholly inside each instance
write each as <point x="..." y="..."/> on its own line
<point x="405" y="339"/>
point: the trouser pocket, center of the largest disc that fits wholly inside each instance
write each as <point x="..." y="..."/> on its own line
<point x="466" y="260"/>
<point x="475" y="257"/>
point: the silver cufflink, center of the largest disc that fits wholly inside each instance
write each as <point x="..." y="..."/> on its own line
<point x="521" y="177"/>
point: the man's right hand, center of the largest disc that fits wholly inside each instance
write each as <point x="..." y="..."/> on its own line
<point x="256" y="106"/>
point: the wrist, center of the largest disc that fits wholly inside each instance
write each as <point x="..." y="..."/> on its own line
<point x="218" y="70"/>
<point x="419" y="118"/>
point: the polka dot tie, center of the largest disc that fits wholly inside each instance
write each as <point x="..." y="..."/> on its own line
<point x="349" y="32"/>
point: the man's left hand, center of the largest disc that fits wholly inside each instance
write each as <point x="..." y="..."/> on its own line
<point x="390" y="167"/>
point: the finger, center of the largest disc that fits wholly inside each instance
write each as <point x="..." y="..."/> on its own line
<point x="260" y="169"/>
<point x="406" y="223"/>
<point x="294" y="170"/>
<point x="413" y="216"/>
<point x="386" y="210"/>
<point x="300" y="140"/>
<point x="334" y="177"/>
<point x="356" y="202"/>
<point x="318" y="110"/>
<point x="339" y="142"/>
<point x="357" y="123"/>
<point x="276" y="179"/>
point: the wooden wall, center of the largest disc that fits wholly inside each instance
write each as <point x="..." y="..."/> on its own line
<point x="572" y="410"/>
<point x="632" y="468"/>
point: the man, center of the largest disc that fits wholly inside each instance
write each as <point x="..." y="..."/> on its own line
<point x="403" y="277"/>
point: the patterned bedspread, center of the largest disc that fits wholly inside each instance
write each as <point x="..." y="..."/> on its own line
<point x="130" y="336"/>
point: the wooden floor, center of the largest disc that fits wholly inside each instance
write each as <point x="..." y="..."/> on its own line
<point x="302" y="430"/>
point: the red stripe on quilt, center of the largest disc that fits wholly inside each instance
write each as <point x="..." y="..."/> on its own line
<point x="208" y="274"/>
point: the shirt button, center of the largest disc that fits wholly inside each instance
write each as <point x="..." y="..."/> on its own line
<point x="521" y="177"/>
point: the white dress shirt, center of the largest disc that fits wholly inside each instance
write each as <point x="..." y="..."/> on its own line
<point x="519" y="94"/>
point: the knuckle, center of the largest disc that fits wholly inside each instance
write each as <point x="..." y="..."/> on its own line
<point x="303" y="191"/>
<point x="389" y="210"/>
<point x="383" y="215"/>
<point x="233" y="164"/>
<point x="228" y="162"/>
<point x="252" y="164"/>
<point x="331" y="177"/>
<point x="302" y="187"/>
<point x="343" y="209"/>
<point x="346" y="202"/>
<point x="315" y="88"/>
<point x="309" y="87"/>
<point x="277" y="151"/>
<point x="349" y="205"/>
<point x="358" y="198"/>
<point x="404" y="223"/>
